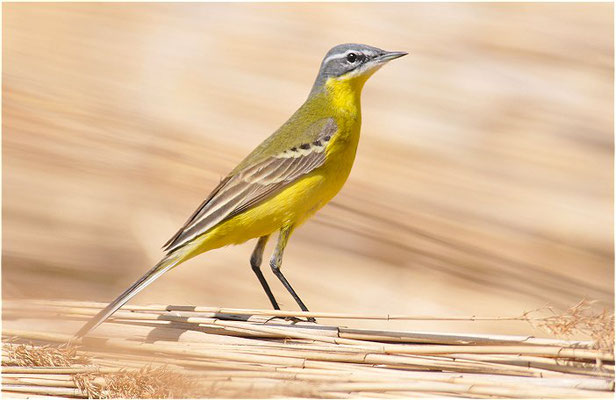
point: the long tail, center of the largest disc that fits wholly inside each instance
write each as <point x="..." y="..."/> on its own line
<point x="163" y="266"/>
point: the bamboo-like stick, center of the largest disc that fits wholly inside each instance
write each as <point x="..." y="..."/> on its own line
<point x="34" y="381"/>
<point x="229" y="356"/>
<point x="409" y="361"/>
<point x="130" y="313"/>
<point x="445" y="338"/>
<point x="372" y="357"/>
<point x="328" y="357"/>
<point x="433" y="349"/>
<point x="313" y="376"/>
<point x="58" y="370"/>
<point x="499" y="391"/>
<point x="367" y="357"/>
<point x="54" y="391"/>
<point x="277" y="313"/>
<point x="28" y="396"/>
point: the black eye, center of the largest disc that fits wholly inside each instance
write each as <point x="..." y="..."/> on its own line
<point x="351" y="57"/>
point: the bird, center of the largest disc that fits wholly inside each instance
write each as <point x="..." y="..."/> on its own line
<point x="282" y="182"/>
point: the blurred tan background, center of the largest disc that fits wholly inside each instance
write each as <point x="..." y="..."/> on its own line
<point x="483" y="182"/>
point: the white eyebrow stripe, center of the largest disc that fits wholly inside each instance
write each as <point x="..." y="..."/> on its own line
<point x="346" y="53"/>
<point x="333" y="57"/>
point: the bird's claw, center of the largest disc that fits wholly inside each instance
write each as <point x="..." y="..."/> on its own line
<point x="294" y="319"/>
<point x="297" y="319"/>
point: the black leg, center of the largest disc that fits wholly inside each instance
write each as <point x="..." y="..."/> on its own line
<point x="276" y="263"/>
<point x="255" y="263"/>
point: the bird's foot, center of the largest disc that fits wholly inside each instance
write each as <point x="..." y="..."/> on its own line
<point x="295" y="320"/>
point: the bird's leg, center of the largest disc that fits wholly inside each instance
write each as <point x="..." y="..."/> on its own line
<point x="276" y="263"/>
<point x="255" y="263"/>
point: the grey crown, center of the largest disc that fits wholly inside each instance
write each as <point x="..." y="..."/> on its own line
<point x="335" y="62"/>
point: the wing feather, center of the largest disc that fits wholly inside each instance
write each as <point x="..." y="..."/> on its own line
<point x="253" y="184"/>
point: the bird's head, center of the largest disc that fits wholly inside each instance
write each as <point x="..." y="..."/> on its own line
<point x="352" y="64"/>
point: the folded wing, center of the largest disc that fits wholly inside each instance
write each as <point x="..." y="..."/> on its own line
<point x="254" y="184"/>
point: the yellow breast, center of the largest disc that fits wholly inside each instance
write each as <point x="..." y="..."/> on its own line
<point x="297" y="202"/>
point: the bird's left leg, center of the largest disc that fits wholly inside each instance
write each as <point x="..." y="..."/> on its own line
<point x="255" y="263"/>
<point x="276" y="263"/>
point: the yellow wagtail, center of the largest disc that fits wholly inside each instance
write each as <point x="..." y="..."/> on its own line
<point x="285" y="180"/>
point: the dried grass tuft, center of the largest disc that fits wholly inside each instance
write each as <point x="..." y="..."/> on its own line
<point x="581" y="319"/>
<point x="86" y="383"/>
<point x="146" y="383"/>
<point x="29" y="355"/>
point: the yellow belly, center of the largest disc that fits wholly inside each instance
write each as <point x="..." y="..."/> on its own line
<point x="291" y="207"/>
<point x="297" y="202"/>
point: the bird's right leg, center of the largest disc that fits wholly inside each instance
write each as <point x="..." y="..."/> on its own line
<point x="276" y="263"/>
<point x="255" y="263"/>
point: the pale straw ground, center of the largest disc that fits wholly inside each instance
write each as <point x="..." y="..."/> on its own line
<point x="166" y="351"/>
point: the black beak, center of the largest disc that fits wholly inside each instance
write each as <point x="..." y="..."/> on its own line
<point x="390" y="55"/>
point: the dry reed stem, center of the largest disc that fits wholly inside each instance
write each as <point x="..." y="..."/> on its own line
<point x="409" y="361"/>
<point x="332" y="337"/>
<point x="408" y="349"/>
<point x="43" y="390"/>
<point x="252" y="357"/>
<point x="217" y="311"/>
<point x="598" y="328"/>
<point x="419" y="362"/>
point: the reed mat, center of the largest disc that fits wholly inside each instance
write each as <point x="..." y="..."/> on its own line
<point x="162" y="351"/>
